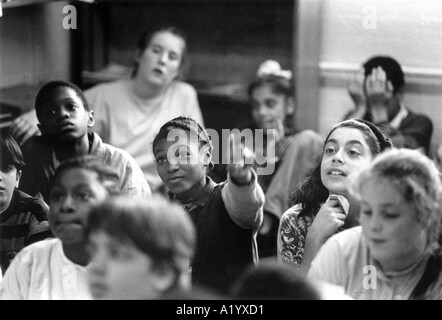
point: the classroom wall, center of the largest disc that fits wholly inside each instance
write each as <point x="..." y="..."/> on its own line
<point x="34" y="46"/>
<point x="16" y="45"/>
<point x="409" y="30"/>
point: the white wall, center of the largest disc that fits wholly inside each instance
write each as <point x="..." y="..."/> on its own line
<point x="408" y="30"/>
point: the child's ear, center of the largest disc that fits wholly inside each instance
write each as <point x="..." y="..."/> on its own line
<point x="207" y="155"/>
<point x="90" y="119"/>
<point x="290" y="106"/>
<point x="17" y="178"/>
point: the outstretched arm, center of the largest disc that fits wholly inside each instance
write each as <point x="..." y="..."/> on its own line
<point x="242" y="195"/>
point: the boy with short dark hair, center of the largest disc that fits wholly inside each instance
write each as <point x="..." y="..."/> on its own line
<point x="23" y="219"/>
<point x="377" y="92"/>
<point x="56" y="269"/>
<point x="64" y="119"/>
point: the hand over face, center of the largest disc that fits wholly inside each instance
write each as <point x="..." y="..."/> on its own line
<point x="379" y="90"/>
<point x="356" y="89"/>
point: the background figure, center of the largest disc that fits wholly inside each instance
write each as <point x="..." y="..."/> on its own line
<point x="377" y="91"/>
<point x="23" y="219"/>
<point x="323" y="204"/>
<point x="129" y="113"/>
<point x="273" y="108"/>
<point x="226" y="216"/>
<point x="64" y="118"/>
<point x="273" y="281"/>
<point x="55" y="269"/>
<point x="400" y="194"/>
<point x="140" y="249"/>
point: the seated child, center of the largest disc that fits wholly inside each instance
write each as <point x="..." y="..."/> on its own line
<point x="323" y="204"/>
<point x="140" y="249"/>
<point x="55" y="269"/>
<point x="23" y="219"/>
<point x="64" y="118"/>
<point x="394" y="254"/>
<point x="378" y="93"/>
<point x="226" y="216"/>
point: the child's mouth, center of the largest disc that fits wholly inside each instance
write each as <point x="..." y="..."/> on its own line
<point x="175" y="179"/>
<point x="66" y="127"/>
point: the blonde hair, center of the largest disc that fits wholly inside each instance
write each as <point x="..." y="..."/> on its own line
<point x="415" y="177"/>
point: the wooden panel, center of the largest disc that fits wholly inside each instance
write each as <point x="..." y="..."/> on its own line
<point x="307" y="43"/>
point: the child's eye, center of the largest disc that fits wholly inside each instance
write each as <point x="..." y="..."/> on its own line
<point x="390" y="215"/>
<point x="72" y="107"/>
<point x="156" y="49"/>
<point x="366" y="212"/>
<point x="117" y="253"/>
<point x="271" y="104"/>
<point x="353" y="153"/>
<point x="83" y="196"/>
<point x="56" y="196"/>
<point x="51" y="113"/>
<point x="161" y="160"/>
<point x="173" y="56"/>
<point x="329" y="150"/>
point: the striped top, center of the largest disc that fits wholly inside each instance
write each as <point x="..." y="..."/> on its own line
<point x="25" y="221"/>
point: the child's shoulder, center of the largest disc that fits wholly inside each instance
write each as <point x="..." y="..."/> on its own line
<point x="182" y="88"/>
<point x="38" y="250"/>
<point x="36" y="145"/>
<point x="29" y="203"/>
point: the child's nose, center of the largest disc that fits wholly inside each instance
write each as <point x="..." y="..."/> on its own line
<point x="172" y="167"/>
<point x="337" y="157"/>
<point x="261" y="110"/>
<point x="163" y="58"/>
<point x="67" y="206"/>
<point x="64" y="114"/>
<point x="375" y="223"/>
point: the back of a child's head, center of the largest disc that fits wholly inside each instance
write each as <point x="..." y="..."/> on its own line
<point x="188" y="126"/>
<point x="10" y="152"/>
<point x="391" y="67"/>
<point x="48" y="88"/>
<point x="271" y="280"/>
<point x="160" y="229"/>
<point x="106" y="175"/>
<point x="415" y="177"/>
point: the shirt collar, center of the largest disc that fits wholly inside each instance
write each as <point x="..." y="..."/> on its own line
<point x="195" y="201"/>
<point x="94" y="147"/>
<point x="390" y="275"/>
